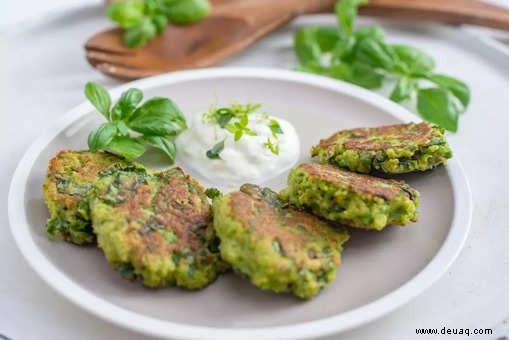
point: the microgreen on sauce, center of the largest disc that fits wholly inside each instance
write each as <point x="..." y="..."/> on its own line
<point x="274" y="148"/>
<point x="235" y="119"/>
<point x="275" y="127"/>
<point x="216" y="150"/>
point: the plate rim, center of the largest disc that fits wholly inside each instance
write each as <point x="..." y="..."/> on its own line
<point x="108" y="311"/>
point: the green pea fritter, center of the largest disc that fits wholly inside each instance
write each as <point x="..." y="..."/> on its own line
<point x="69" y="179"/>
<point x="356" y="200"/>
<point x="156" y="227"/>
<point x="392" y="149"/>
<point x="277" y="247"/>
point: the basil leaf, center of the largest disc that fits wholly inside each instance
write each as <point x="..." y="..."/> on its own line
<point x="140" y="33"/>
<point x="375" y="53"/>
<point x="154" y="124"/>
<point x="373" y="32"/>
<point x="341" y="71"/>
<point x="437" y="105"/>
<point x="99" y="97"/>
<point x="126" y="147"/>
<point x="216" y="150"/>
<point x="458" y="88"/>
<point x="159" y="104"/>
<point x="343" y="49"/>
<point x="122" y="128"/>
<point x="346" y="12"/>
<point x="403" y="90"/>
<point x="126" y="13"/>
<point x="126" y="104"/>
<point x="153" y="7"/>
<point x="313" y="67"/>
<point x="359" y="74"/>
<point x="326" y="38"/>
<point x="305" y="46"/>
<point x="365" y="76"/>
<point x="163" y="144"/>
<point x="223" y="116"/>
<point x="100" y="138"/>
<point x="415" y="60"/>
<point x="158" y="117"/>
<point x="312" y="42"/>
<point x="160" y="22"/>
<point x="183" y="12"/>
<point x="275" y="127"/>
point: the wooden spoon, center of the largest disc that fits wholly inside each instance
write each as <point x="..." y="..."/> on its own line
<point x="232" y="26"/>
<point x="235" y="24"/>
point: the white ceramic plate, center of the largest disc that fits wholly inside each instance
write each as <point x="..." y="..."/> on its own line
<point x="380" y="271"/>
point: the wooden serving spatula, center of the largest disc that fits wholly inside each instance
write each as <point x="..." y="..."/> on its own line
<point x="235" y="24"/>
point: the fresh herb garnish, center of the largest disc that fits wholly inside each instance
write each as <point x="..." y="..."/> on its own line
<point x="274" y="148"/>
<point x="364" y="58"/>
<point x="275" y="127"/>
<point x="235" y="119"/>
<point x="216" y="150"/>
<point x="223" y="116"/>
<point x="157" y="121"/>
<point x="238" y="129"/>
<point x="213" y="193"/>
<point x="142" y="20"/>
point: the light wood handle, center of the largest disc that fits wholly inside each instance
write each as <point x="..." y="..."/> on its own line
<point x="472" y="12"/>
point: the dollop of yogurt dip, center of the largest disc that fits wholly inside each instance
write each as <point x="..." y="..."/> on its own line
<point x="238" y="144"/>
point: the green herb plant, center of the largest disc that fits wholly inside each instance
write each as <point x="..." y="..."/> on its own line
<point x="142" y="20"/>
<point x="363" y="57"/>
<point x="235" y="119"/>
<point x="131" y="126"/>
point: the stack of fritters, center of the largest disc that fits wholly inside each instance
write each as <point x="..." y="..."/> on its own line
<point x="340" y="190"/>
<point x="393" y="149"/>
<point x="157" y="227"/>
<point x="152" y="226"/>
<point x="69" y="179"/>
<point x="353" y="199"/>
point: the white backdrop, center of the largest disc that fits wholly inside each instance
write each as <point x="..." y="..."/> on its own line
<point x="42" y="76"/>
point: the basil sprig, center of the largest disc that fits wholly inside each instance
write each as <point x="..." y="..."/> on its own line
<point x="157" y="121"/>
<point x="363" y="57"/>
<point x="142" y="20"/>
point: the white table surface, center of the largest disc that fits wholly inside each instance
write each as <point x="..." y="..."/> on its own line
<point x="42" y="76"/>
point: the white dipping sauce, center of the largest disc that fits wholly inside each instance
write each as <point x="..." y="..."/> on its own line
<point x="245" y="160"/>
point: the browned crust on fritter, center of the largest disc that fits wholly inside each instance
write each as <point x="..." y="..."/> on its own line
<point x="359" y="183"/>
<point x="85" y="166"/>
<point x="187" y="214"/>
<point x="372" y="139"/>
<point x="267" y="221"/>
